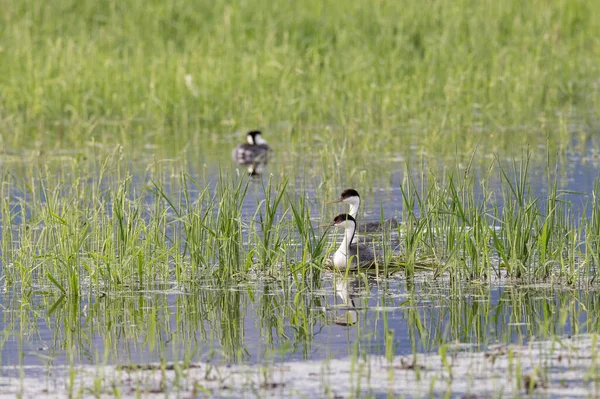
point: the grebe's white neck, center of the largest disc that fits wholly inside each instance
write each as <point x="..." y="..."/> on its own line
<point x="255" y="138"/>
<point x="258" y="140"/>
<point x="354" y="203"/>
<point x="348" y="236"/>
<point x="341" y="257"/>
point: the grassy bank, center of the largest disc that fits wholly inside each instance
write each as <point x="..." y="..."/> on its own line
<point x="172" y="73"/>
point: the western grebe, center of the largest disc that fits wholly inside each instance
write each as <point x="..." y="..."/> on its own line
<point x="255" y="153"/>
<point x="350" y="254"/>
<point x="352" y="198"/>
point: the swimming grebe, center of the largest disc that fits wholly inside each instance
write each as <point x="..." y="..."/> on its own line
<point x="255" y="153"/>
<point x="350" y="254"/>
<point x="352" y="198"/>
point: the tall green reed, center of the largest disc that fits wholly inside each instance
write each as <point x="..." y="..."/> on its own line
<point x="473" y="231"/>
<point x="270" y="217"/>
<point x="82" y="234"/>
<point x="312" y="244"/>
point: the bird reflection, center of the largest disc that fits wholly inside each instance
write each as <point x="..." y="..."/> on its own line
<point x="347" y="290"/>
<point x="254" y="154"/>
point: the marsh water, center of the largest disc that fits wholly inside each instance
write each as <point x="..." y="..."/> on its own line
<point x="258" y="323"/>
<point x="268" y="320"/>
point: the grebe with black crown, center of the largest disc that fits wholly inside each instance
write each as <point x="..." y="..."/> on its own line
<point x="255" y="153"/>
<point x="351" y="255"/>
<point x="351" y="197"/>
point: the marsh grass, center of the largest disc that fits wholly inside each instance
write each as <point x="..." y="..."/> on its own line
<point x="118" y="233"/>
<point x="170" y="74"/>
<point x="313" y="245"/>
<point x="475" y="232"/>
<point x="268" y="216"/>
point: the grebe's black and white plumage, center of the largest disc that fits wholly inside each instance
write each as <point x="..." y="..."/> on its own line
<point x="254" y="154"/>
<point x="351" y="255"/>
<point x="352" y="198"/>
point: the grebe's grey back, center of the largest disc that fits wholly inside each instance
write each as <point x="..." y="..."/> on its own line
<point x="350" y="254"/>
<point x="255" y="153"/>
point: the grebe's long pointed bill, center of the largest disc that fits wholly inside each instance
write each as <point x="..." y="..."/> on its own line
<point x="335" y="201"/>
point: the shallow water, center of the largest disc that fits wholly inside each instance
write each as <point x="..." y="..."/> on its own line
<point x="256" y="322"/>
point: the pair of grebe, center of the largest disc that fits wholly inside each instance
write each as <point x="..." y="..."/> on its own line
<point x="351" y="254"/>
